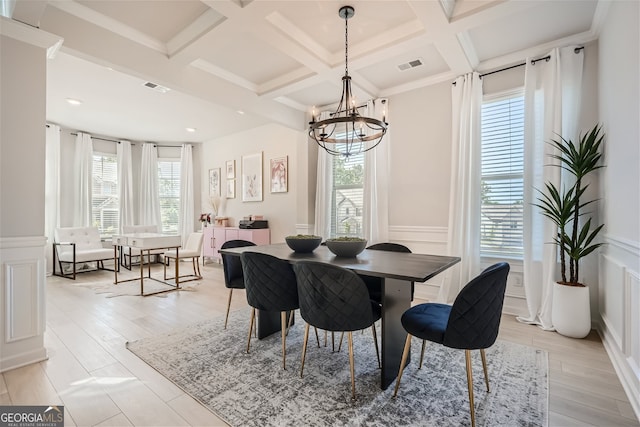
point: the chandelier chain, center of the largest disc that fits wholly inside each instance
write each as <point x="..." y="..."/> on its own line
<point x="346" y="45"/>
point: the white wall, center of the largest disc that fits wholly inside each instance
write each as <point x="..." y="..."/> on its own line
<point x="619" y="290"/>
<point x="272" y="140"/>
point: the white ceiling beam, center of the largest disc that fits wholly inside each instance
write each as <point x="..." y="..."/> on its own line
<point x="204" y="24"/>
<point x="417" y="84"/>
<point x="117" y="27"/>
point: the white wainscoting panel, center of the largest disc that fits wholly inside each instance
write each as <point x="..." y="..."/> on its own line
<point x="22" y="301"/>
<point x="22" y="314"/>
<point x="619" y="301"/>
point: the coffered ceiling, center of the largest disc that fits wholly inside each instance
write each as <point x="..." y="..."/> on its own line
<point x="274" y="60"/>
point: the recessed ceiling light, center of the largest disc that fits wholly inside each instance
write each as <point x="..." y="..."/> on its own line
<point x="74" y="101"/>
<point x="240" y="112"/>
<point x="190" y="129"/>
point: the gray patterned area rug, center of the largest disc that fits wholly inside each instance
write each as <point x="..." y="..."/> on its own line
<point x="210" y="364"/>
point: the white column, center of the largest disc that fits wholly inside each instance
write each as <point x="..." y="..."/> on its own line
<point x="23" y="62"/>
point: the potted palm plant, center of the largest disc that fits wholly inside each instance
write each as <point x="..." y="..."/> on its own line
<point x="576" y="236"/>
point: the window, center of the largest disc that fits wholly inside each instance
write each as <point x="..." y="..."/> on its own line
<point x="169" y="194"/>
<point x="502" y="192"/>
<point x="347" y="196"/>
<point x="104" y="200"/>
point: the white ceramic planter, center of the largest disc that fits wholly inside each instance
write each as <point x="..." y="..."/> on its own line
<point x="571" y="311"/>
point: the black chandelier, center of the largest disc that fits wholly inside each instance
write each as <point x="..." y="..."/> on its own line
<point x="346" y="132"/>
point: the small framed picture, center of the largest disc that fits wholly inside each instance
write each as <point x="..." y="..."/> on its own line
<point x="231" y="189"/>
<point x="231" y="169"/>
<point x="252" y="178"/>
<point x="214" y="182"/>
<point x="279" y="171"/>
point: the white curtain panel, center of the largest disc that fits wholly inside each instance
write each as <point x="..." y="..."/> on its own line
<point x="185" y="218"/>
<point x="149" y="199"/>
<point x="324" y="186"/>
<point x="52" y="190"/>
<point x="376" y="184"/>
<point x="552" y="100"/>
<point x="82" y="173"/>
<point x="125" y="184"/>
<point x="464" y="204"/>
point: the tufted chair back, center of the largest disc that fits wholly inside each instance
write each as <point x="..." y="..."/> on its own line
<point x="333" y="298"/>
<point x="476" y="312"/>
<point x="270" y="282"/>
<point x="232" y="266"/>
<point x="84" y="237"/>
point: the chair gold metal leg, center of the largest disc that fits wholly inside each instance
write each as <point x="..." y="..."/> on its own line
<point x="317" y="337"/>
<point x="352" y="364"/>
<point x="484" y="367"/>
<point x="375" y="341"/>
<point x="253" y="317"/>
<point x="304" y="347"/>
<point x="283" y="327"/>
<point x="467" y="355"/>
<point x="290" y="321"/>
<point x="403" y="361"/>
<point x="226" y="319"/>
<point x="424" y="344"/>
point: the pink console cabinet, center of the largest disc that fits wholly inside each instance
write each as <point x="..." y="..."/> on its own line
<point x="214" y="237"/>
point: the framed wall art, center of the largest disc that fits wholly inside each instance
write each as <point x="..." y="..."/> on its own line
<point x="279" y="173"/>
<point x="231" y="169"/>
<point x="252" y="178"/>
<point x="214" y="182"/>
<point x="231" y="189"/>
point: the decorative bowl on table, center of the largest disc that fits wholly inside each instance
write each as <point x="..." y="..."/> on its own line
<point x="346" y="246"/>
<point x="303" y="243"/>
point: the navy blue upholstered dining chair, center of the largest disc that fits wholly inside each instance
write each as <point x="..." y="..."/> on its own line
<point x="471" y="323"/>
<point x="232" y="266"/>
<point x="374" y="284"/>
<point x="270" y="285"/>
<point x="335" y="299"/>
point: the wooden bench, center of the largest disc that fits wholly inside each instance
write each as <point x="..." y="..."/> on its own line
<point x="78" y="245"/>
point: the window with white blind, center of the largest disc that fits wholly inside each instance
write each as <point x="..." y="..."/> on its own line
<point x="105" y="204"/>
<point x="502" y="191"/>
<point x="347" y="196"/>
<point x="169" y="194"/>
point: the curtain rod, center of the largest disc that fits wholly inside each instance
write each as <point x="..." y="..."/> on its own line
<point x="533" y="62"/>
<point x="118" y="142"/>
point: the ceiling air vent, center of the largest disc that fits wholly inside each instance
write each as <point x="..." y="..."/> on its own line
<point x="411" y="64"/>
<point x="157" y="87"/>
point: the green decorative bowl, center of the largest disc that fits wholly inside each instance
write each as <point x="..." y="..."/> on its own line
<point x="346" y="248"/>
<point x="302" y="243"/>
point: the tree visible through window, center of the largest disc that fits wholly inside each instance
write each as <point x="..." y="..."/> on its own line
<point x="347" y="196"/>
<point x="502" y="191"/>
<point x="169" y="194"/>
<point x="105" y="204"/>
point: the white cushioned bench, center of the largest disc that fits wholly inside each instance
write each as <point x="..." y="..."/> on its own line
<point x="75" y="245"/>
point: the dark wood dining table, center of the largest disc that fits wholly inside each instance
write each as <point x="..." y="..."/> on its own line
<point x="396" y="269"/>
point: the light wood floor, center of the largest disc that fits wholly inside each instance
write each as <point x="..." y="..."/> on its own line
<point x="100" y="383"/>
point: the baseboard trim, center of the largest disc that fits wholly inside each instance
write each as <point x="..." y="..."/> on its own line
<point x="23" y="359"/>
<point x="629" y="379"/>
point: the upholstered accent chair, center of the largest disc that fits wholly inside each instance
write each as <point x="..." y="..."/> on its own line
<point x="78" y="245"/>
<point x="192" y="249"/>
<point x="232" y="266"/>
<point x="471" y="323"/>
<point x="270" y="285"/>
<point x="374" y="284"/>
<point x="335" y="299"/>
